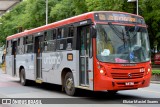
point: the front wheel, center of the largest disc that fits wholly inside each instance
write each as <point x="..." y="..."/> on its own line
<point x="23" y="79"/>
<point x="69" y="84"/>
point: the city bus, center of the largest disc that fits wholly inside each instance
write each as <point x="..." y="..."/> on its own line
<point x="98" y="51"/>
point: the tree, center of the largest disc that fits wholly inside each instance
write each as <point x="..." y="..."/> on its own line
<point x="31" y="13"/>
<point x="151" y="13"/>
<point x="62" y="10"/>
<point x="111" y="5"/>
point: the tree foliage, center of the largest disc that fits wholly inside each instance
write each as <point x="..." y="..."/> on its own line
<point x="31" y="13"/>
<point x="151" y="13"/>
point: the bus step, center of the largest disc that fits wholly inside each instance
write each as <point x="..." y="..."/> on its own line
<point x="83" y="87"/>
<point x="39" y="81"/>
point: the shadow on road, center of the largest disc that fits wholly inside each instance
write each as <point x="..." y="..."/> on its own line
<point x="100" y="95"/>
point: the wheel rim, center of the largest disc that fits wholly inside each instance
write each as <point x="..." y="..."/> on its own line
<point x="69" y="84"/>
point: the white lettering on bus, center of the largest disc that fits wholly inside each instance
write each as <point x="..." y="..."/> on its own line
<point x="53" y="58"/>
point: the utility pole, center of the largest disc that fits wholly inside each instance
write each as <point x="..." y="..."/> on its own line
<point x="46" y="12"/>
<point x="136" y="4"/>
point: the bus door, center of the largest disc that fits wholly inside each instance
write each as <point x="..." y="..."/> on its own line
<point x="38" y="51"/>
<point x="84" y="55"/>
<point x="14" y="47"/>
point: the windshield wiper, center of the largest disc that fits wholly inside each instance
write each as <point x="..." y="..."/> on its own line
<point x="124" y="40"/>
<point x="136" y="28"/>
<point x="115" y="30"/>
<point x="118" y="33"/>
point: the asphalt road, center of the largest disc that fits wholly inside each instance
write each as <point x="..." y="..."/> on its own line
<point x="11" y="88"/>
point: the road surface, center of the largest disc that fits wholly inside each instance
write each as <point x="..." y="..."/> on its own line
<point x="11" y="88"/>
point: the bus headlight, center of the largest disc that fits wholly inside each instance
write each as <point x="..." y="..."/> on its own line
<point x="149" y="70"/>
<point x="101" y="71"/>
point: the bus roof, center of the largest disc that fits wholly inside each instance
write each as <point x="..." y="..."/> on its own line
<point x="85" y="16"/>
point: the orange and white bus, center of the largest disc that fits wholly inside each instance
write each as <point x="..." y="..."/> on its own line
<point x="101" y="50"/>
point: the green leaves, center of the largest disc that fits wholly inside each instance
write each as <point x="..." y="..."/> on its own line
<point x="101" y="5"/>
<point x="63" y="9"/>
<point x="31" y="13"/>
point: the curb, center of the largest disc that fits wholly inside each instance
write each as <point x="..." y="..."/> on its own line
<point x="155" y="82"/>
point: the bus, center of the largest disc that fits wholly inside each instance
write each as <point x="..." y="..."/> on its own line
<point x="157" y="58"/>
<point x="98" y="51"/>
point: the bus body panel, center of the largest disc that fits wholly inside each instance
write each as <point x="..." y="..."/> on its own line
<point x="9" y="59"/>
<point x="27" y="62"/>
<point x="91" y="74"/>
<point x="54" y="62"/>
<point x="121" y="77"/>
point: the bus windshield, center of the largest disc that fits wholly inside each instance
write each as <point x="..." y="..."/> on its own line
<point x="122" y="44"/>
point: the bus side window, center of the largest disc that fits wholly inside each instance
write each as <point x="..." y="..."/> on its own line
<point x="9" y="47"/>
<point x="45" y="41"/>
<point x="59" y="33"/>
<point x="29" y="44"/>
<point x="54" y="34"/>
<point x="61" y="40"/>
<point x="54" y="39"/>
<point x="70" y="38"/>
<point x="50" y="40"/>
<point x="18" y="46"/>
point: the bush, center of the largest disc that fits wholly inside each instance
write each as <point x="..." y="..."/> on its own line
<point x="157" y="72"/>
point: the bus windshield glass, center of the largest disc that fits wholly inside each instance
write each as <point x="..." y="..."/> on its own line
<point x="122" y="44"/>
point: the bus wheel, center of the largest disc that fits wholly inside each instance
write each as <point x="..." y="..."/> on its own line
<point x="23" y="80"/>
<point x="112" y="92"/>
<point x="69" y="84"/>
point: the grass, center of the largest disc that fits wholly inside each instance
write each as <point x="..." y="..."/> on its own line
<point x="156" y="72"/>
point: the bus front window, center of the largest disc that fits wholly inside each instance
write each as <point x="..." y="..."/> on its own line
<point x="122" y="44"/>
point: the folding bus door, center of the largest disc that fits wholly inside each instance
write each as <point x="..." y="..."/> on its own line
<point x="38" y="51"/>
<point x="14" y="47"/>
<point x="84" y="55"/>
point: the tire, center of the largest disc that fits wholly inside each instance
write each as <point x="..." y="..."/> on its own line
<point x="23" y="79"/>
<point x="69" y="84"/>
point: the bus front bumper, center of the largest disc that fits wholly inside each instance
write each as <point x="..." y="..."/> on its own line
<point x="107" y="83"/>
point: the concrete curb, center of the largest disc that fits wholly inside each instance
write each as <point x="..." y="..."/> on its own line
<point x="155" y="82"/>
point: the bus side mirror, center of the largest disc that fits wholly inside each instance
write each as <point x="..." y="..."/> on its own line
<point x="93" y="32"/>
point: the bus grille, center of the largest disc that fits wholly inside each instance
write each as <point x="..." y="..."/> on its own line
<point x="127" y="74"/>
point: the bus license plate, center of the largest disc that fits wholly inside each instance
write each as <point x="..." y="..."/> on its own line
<point x="129" y="83"/>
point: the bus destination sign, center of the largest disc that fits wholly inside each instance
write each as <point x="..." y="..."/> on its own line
<point x="119" y="17"/>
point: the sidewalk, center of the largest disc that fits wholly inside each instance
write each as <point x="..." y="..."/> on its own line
<point x="155" y="82"/>
<point x="7" y="77"/>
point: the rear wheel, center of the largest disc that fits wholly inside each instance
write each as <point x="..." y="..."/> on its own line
<point x="23" y="79"/>
<point x="69" y="84"/>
